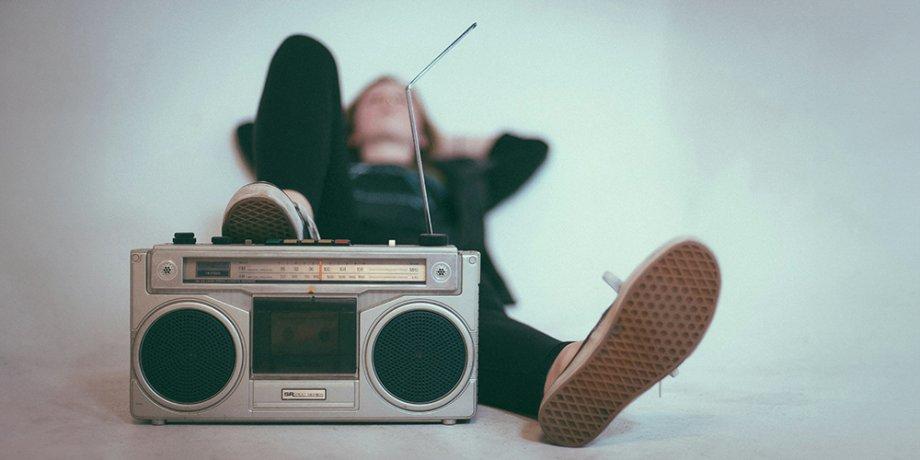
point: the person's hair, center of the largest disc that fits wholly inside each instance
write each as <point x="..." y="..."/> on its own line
<point x="426" y="127"/>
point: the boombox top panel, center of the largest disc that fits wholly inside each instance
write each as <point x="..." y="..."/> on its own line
<point x="315" y="269"/>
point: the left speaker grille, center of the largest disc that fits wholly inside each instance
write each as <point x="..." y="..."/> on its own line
<point x="187" y="356"/>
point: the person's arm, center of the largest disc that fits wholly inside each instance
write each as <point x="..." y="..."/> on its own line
<point x="511" y="162"/>
<point x="456" y="147"/>
<point x="506" y="161"/>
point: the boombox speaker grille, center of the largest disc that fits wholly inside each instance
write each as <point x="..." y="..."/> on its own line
<point x="419" y="356"/>
<point x="187" y="356"/>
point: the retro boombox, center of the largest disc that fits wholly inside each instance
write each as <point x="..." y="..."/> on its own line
<point x="303" y="331"/>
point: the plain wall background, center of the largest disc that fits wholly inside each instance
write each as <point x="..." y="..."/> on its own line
<point x="784" y="135"/>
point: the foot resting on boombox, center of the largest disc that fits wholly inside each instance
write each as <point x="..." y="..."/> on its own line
<point x="261" y="211"/>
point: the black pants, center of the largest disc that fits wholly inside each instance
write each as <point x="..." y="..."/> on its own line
<point x="299" y="143"/>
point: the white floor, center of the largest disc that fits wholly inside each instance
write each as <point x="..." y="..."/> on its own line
<point x="80" y="410"/>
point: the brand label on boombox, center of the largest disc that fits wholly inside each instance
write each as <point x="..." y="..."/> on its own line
<point x="314" y="394"/>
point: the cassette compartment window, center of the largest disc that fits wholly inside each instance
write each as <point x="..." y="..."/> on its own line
<point x="304" y="336"/>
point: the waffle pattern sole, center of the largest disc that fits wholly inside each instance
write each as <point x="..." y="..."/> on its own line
<point x="655" y="323"/>
<point x="257" y="219"/>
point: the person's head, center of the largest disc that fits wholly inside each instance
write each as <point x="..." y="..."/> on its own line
<point x="380" y="114"/>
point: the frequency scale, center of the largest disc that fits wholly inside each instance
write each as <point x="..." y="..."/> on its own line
<point x="331" y="270"/>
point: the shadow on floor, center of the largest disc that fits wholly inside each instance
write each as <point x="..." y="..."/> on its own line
<point x="108" y="395"/>
<point x="532" y="432"/>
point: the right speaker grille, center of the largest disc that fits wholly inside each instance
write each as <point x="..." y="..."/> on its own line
<point x="419" y="356"/>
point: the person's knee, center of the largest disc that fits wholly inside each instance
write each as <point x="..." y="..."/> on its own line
<point x="306" y="49"/>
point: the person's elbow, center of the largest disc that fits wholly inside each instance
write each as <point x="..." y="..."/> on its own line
<point x="542" y="151"/>
<point x="538" y="151"/>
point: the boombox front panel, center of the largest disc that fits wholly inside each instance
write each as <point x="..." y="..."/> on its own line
<point x="324" y="384"/>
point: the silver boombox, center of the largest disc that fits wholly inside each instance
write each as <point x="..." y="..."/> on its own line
<point x="303" y="332"/>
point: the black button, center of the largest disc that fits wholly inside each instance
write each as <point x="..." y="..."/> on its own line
<point x="221" y="240"/>
<point x="433" y="239"/>
<point x="183" y="238"/>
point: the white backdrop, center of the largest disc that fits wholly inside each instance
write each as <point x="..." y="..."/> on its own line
<point x="785" y="136"/>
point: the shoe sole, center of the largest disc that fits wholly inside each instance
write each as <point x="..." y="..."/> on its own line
<point x="657" y="320"/>
<point x="257" y="219"/>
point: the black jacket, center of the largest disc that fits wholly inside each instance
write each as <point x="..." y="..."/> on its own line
<point x="476" y="187"/>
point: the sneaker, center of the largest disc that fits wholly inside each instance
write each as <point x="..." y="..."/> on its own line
<point x="659" y="317"/>
<point x="261" y="211"/>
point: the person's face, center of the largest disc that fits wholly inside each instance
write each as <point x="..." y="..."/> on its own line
<point x="382" y="115"/>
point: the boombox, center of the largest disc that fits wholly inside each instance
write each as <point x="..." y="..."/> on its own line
<point x="303" y="330"/>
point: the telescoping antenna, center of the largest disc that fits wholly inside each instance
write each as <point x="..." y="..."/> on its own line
<point x="430" y="238"/>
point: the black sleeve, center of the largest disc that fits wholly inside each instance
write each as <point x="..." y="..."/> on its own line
<point x="511" y="162"/>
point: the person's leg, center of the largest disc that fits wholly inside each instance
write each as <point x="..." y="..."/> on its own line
<point x="514" y="360"/>
<point x="299" y="136"/>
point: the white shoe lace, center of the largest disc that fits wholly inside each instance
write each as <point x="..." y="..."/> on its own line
<point x="613" y="281"/>
<point x="308" y="222"/>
